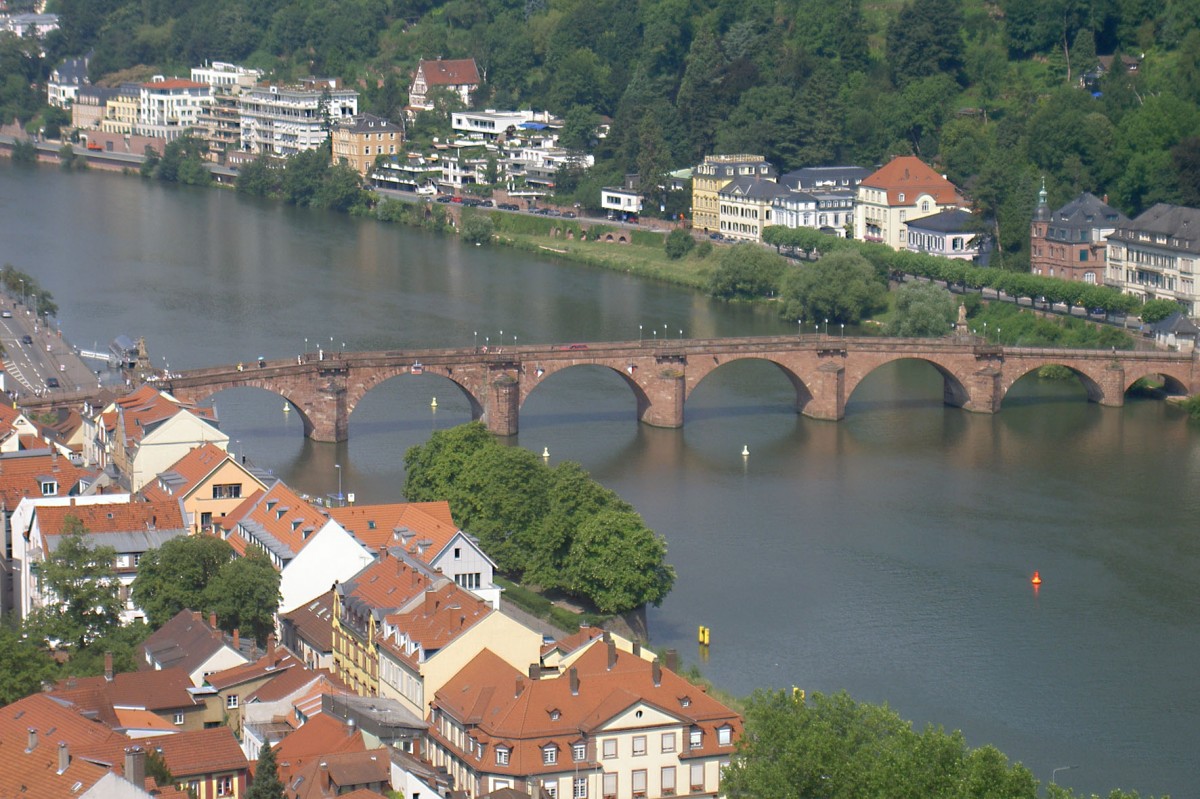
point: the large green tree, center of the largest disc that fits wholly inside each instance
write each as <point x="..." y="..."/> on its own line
<point x="922" y="309"/>
<point x="618" y="563"/>
<point x="267" y="784"/>
<point x="746" y="272"/>
<point x="179" y="575"/>
<point x="245" y="595"/>
<point x="24" y="664"/>
<point x="842" y="287"/>
<point x="81" y="590"/>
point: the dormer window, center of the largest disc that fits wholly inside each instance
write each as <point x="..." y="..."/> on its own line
<point x="725" y="735"/>
<point x="685" y="701"/>
<point x="695" y="738"/>
<point x="555" y="714"/>
<point x="502" y="753"/>
<point x="901" y="196"/>
<point x="579" y="752"/>
<point x="549" y="755"/>
<point x="49" y="488"/>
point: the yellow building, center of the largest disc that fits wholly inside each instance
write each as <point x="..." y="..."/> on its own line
<point x="711" y="176"/>
<point x="362" y="138"/>
<point x="121" y="111"/>
<point x="209" y="481"/>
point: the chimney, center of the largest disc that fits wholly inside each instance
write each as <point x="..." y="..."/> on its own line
<point x="637" y="649"/>
<point x="237" y="638"/>
<point x="431" y="602"/>
<point x="135" y="766"/>
<point x="64" y="757"/>
<point x="32" y="740"/>
<point x="108" y="667"/>
<point x="323" y="776"/>
<point x="271" y="645"/>
<point x="612" y="653"/>
<point x="672" y="660"/>
<point x="212" y="620"/>
<point x="656" y="672"/>
<point x="535" y="671"/>
<point x="574" y="675"/>
<point x="519" y="687"/>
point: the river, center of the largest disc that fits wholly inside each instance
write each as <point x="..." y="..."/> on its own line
<point x="889" y="554"/>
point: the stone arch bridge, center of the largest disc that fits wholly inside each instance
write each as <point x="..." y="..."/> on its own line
<point x="325" y="388"/>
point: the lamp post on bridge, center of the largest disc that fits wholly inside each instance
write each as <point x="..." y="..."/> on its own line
<point x="826" y="328"/>
<point x="338" y="466"/>
<point x="1054" y="773"/>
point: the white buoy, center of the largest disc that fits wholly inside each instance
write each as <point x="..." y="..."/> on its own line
<point x="745" y="451"/>
<point x="433" y="404"/>
<point x="546" y="453"/>
<point x="287" y="408"/>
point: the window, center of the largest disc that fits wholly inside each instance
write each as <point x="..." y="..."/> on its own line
<point x="639" y="745"/>
<point x="580" y="788"/>
<point x="697" y="777"/>
<point x="231" y="701"/>
<point x="551" y="788"/>
<point x="610" y="786"/>
<point x="579" y="752"/>
<point x="724" y="736"/>
<point x="696" y="738"/>
<point x="1083" y="255"/>
<point x="49" y="488"/>
<point x="638" y="779"/>
<point x="668" y="742"/>
<point x="668" y="781"/>
<point x="610" y="748"/>
<point x="469" y="581"/>
<point x="457" y="553"/>
<point x="178" y="718"/>
<point x="550" y="755"/>
<point x="225" y="785"/>
<point x="229" y="491"/>
<point x="502" y="756"/>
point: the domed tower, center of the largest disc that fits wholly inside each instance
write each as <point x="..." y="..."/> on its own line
<point x="1039" y="231"/>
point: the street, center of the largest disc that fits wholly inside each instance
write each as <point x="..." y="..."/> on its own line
<point x="33" y="368"/>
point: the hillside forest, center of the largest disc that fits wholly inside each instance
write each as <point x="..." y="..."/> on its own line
<point x="1091" y="95"/>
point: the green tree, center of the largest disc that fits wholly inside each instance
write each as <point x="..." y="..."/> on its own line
<point x="177" y="575"/>
<point x="842" y="287"/>
<point x="123" y="642"/>
<point x="579" y="129"/>
<point x="431" y="468"/>
<point x="1157" y="310"/>
<point x="245" y="595"/>
<point x="746" y="272"/>
<point x="267" y="784"/>
<point x="68" y="159"/>
<point x="24" y="664"/>
<point x="925" y="40"/>
<point x="477" y="228"/>
<point x="24" y="152"/>
<point x="501" y="495"/>
<point x="83" y="594"/>
<point x="149" y="162"/>
<point x="259" y="178"/>
<point x="613" y="537"/>
<point x="922" y="309"/>
<point x="303" y="176"/>
<point x="679" y="243"/>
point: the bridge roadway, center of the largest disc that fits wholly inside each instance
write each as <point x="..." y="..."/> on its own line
<point x="325" y="387"/>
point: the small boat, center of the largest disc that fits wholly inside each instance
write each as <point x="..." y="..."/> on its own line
<point x="416" y="368"/>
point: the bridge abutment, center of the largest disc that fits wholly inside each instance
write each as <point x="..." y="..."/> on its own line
<point x="666" y="392"/>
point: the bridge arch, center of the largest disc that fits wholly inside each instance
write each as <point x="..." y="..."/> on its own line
<point x="803" y="395"/>
<point x="956" y="379"/>
<point x="1092" y="380"/>
<point x="371" y="379"/>
<point x="631" y="374"/>
<point x="202" y="397"/>
<point x="1174" y="383"/>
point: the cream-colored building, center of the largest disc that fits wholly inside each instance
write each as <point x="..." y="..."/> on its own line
<point x="906" y="188"/>
<point x="713" y="175"/>
<point x="362" y="138"/>
<point x="1155" y="256"/>
<point x="171" y="107"/>
<point x="423" y="647"/>
<point x="121" y="110"/>
<point x="745" y="206"/>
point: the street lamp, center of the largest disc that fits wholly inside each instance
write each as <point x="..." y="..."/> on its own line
<point x="799" y="327"/>
<point x="827" y="328"/>
<point x="1054" y="773"/>
<point x="477" y="341"/>
<point x="639" y="334"/>
<point x="843" y="329"/>
<point x="338" y="466"/>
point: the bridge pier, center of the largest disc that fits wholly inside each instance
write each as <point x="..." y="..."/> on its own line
<point x="828" y="393"/>
<point x="327" y="416"/>
<point x="985" y="392"/>
<point x="665" y="392"/>
<point x="502" y="414"/>
<point x="1112" y="387"/>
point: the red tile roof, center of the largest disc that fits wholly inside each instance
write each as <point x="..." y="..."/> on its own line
<point x="912" y="177"/>
<point x="279" y="513"/>
<point x="160" y="691"/>
<point x="147" y="407"/>
<point x="22" y="475"/>
<point x="268" y="665"/>
<point x="187" y="754"/>
<point x="422" y="529"/>
<point x="112" y="517"/>
<point x="328" y="775"/>
<point x="505" y="707"/>
<point x="385" y="585"/>
<point x="313" y="621"/>
<point x="321" y="736"/>
<point x="447" y="612"/>
<point x="450" y="72"/>
<point x="193" y="467"/>
<point x="185" y="642"/>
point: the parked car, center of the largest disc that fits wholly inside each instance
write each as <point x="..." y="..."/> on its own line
<point x="509" y="207"/>
<point x="6" y="314"/>
<point x="456" y="199"/>
<point x="553" y="212"/>
<point x="568" y="214"/>
<point x="487" y="203"/>
<point x="445" y="198"/>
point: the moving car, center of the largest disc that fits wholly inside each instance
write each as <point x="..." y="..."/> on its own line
<point x="6" y="314"/>
<point x="26" y="339"/>
<point x="52" y="382"/>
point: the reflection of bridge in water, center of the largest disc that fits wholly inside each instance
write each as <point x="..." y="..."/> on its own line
<point x="824" y="370"/>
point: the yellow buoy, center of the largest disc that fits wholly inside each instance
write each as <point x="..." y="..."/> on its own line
<point x="546" y="452"/>
<point x="287" y="408"/>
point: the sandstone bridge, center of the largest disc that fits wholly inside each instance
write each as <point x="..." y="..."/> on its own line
<point x="325" y="388"/>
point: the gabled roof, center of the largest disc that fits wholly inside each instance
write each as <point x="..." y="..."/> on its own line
<point x="911" y="177"/>
<point x="147" y="408"/>
<point x="328" y="775"/>
<point x="367" y="123"/>
<point x="22" y="474"/>
<point x="450" y="72"/>
<point x="1178" y="324"/>
<point x="1180" y="226"/>
<point x="313" y="621"/>
<point x="321" y="736"/>
<point x="199" y="462"/>
<point x="824" y="177"/>
<point x="185" y="642"/>
<point x="580" y="638"/>
<point x="507" y="708"/>
<point x="1086" y="213"/>
<point x="422" y="529"/>
<point x="187" y="754"/>
<point x="386" y="584"/>
<point x="753" y="187"/>
<point x="160" y="691"/>
<point x="269" y="665"/>
<point x="279" y="519"/>
<point x="128" y="526"/>
<point x="445" y="614"/>
<point x="954" y="220"/>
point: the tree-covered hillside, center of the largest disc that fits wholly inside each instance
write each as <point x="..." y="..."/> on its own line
<point x="996" y="95"/>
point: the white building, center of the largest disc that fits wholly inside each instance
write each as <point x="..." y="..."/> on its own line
<point x="906" y="188"/>
<point x="66" y="80"/>
<point x="491" y="124"/>
<point x="285" y="120"/>
<point x="1154" y="257"/>
<point x="622" y="201"/>
<point x="170" y="107"/>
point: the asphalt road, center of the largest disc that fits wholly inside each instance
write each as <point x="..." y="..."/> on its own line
<point x="30" y="367"/>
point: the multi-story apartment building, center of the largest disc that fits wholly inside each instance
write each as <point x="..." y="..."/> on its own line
<point x="611" y="725"/>
<point x="285" y="120"/>
<point x="121" y="110"/>
<point x="713" y="175"/>
<point x="822" y="198"/>
<point x="1070" y="243"/>
<point x="1155" y="256"/>
<point x="459" y="75"/>
<point x="66" y="80"/>
<point x="745" y="207"/>
<point x="362" y="138"/>
<point x="170" y="107"/>
<point x="906" y="188"/>
<point x="491" y="124"/>
<point x="220" y="121"/>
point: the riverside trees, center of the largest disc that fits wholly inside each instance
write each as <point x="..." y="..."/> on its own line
<point x="554" y="527"/>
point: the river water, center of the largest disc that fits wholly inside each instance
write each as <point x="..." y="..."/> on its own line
<point x="889" y="554"/>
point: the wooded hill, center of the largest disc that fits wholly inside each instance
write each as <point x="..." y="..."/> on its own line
<point x="996" y="95"/>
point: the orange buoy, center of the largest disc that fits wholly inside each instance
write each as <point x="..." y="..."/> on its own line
<point x="1037" y="579"/>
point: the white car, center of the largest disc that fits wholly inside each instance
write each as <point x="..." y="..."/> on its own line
<point x="6" y="314"/>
